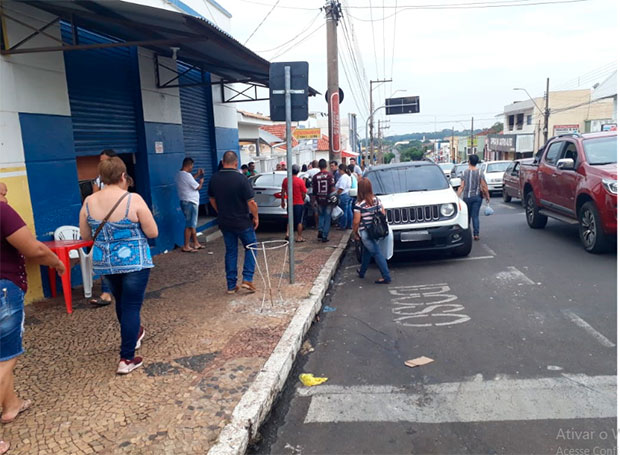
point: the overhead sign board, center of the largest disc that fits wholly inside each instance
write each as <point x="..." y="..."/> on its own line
<point x="307" y="133"/>
<point x="503" y="142"/>
<point x="565" y="129"/>
<point x="334" y="106"/>
<point x="299" y="91"/>
<point x="404" y="105"/>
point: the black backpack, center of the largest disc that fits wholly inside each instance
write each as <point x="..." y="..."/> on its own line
<point x="377" y="227"/>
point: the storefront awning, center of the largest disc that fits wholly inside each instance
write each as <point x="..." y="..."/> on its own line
<point x="193" y="40"/>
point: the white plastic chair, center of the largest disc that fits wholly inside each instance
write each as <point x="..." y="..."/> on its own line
<point x="86" y="263"/>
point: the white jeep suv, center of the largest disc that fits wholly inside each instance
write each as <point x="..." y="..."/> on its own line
<point x="424" y="212"/>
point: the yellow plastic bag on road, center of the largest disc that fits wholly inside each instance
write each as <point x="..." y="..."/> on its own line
<point x="309" y="380"/>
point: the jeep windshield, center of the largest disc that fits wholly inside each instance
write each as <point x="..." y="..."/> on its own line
<point x="601" y="150"/>
<point x="405" y="179"/>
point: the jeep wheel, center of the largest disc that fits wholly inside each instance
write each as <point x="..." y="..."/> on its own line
<point x="591" y="229"/>
<point x="505" y="195"/>
<point x="534" y="219"/>
<point x="465" y="248"/>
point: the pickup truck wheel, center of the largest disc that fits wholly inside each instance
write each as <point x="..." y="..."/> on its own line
<point x="591" y="229"/>
<point x="505" y="195"/>
<point x="534" y="219"/>
<point x="465" y="248"/>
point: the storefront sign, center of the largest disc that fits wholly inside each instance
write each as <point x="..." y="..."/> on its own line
<point x="307" y="133"/>
<point x="565" y="129"/>
<point x="609" y="127"/>
<point x="503" y="142"/>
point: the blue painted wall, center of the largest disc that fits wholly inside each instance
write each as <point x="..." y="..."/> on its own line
<point x="226" y="139"/>
<point x="52" y="177"/>
<point x="162" y="169"/>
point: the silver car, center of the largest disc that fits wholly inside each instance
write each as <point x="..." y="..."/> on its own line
<point x="268" y="195"/>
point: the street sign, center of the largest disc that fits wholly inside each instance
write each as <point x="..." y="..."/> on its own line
<point x="404" y="105"/>
<point x="307" y="133"/>
<point x="299" y="91"/>
<point x="334" y="106"/>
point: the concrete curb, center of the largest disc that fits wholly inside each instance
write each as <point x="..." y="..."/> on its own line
<point x="256" y="403"/>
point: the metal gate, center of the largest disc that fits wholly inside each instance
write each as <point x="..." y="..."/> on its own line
<point x="197" y="118"/>
<point x="102" y="88"/>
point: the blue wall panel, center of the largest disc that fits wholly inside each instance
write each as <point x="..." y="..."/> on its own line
<point x="52" y="177"/>
<point x="162" y="170"/>
<point x="226" y="139"/>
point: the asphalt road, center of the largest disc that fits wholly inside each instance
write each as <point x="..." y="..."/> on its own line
<point x="523" y="337"/>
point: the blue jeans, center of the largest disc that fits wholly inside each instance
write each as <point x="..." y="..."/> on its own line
<point x="346" y="220"/>
<point x="325" y="219"/>
<point x="190" y="212"/>
<point x="128" y="290"/>
<point x="231" y="240"/>
<point x="11" y="320"/>
<point x="105" y="287"/>
<point x="473" y="207"/>
<point x="371" y="250"/>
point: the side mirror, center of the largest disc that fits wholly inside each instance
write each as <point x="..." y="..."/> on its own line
<point x="567" y="164"/>
<point x="455" y="182"/>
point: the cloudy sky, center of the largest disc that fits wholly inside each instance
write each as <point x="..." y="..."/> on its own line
<point x="462" y="62"/>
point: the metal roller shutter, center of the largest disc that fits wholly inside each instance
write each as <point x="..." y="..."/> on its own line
<point x="197" y="118"/>
<point x="102" y="88"/>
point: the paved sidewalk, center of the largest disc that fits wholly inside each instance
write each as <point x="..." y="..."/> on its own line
<point x="201" y="352"/>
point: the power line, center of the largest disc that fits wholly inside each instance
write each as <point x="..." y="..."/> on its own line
<point x="298" y="42"/>
<point x="346" y="73"/>
<point x="374" y="46"/>
<point x="394" y="40"/>
<point x="297" y="35"/>
<point x="262" y="22"/>
<point x="360" y="74"/>
<point x="280" y="6"/>
<point x="463" y="6"/>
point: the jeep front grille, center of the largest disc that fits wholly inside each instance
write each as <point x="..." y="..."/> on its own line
<point x="410" y="215"/>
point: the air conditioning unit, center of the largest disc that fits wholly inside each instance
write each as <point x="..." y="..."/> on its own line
<point x="252" y="148"/>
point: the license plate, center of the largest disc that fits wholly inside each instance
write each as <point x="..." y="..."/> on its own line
<point x="415" y="236"/>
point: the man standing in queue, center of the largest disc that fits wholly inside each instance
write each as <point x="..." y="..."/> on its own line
<point x="232" y="197"/>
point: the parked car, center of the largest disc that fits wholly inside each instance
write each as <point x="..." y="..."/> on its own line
<point x="422" y="210"/>
<point x="493" y="172"/>
<point x="512" y="180"/>
<point x="268" y="195"/>
<point x="457" y="174"/>
<point x="575" y="180"/>
<point x="447" y="168"/>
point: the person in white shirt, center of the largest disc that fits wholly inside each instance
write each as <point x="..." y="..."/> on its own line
<point x="343" y="186"/>
<point x="189" y="194"/>
<point x="311" y="209"/>
<point x="358" y="170"/>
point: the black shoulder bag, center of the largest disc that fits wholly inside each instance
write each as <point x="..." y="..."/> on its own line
<point x="377" y="227"/>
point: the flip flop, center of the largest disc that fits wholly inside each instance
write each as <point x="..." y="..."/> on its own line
<point x="188" y="251"/>
<point x="23" y="408"/>
<point x="200" y="247"/>
<point x="100" y="302"/>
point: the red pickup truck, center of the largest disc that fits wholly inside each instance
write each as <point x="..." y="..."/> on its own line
<point x="574" y="179"/>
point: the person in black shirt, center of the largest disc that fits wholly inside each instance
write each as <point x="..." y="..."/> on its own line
<point x="232" y="197"/>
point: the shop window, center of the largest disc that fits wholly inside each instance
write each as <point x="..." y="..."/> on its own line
<point x="519" y="121"/>
<point x="529" y="120"/>
<point x="511" y="122"/>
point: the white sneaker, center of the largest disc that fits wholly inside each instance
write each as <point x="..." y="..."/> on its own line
<point x="141" y="334"/>
<point x="126" y="366"/>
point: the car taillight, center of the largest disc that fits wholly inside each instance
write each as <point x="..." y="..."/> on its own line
<point x="278" y="195"/>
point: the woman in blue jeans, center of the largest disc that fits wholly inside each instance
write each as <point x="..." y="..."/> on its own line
<point x="473" y="186"/>
<point x="343" y="187"/>
<point x="367" y="204"/>
<point x="121" y="252"/>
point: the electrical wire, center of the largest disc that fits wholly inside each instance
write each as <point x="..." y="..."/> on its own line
<point x="297" y="35"/>
<point x="354" y="61"/>
<point x="279" y="6"/>
<point x="374" y="46"/>
<point x="262" y="22"/>
<point x="463" y="6"/>
<point x="394" y="40"/>
<point x="346" y="73"/>
<point x="360" y="86"/>
<point x="298" y="42"/>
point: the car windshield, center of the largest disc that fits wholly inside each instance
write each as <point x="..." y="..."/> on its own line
<point x="458" y="170"/>
<point x="404" y="179"/>
<point x="601" y="150"/>
<point x="267" y="180"/>
<point x="446" y="166"/>
<point x="497" y="167"/>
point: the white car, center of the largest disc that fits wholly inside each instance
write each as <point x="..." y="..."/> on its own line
<point x="423" y="211"/>
<point x="493" y="172"/>
<point x="268" y="195"/>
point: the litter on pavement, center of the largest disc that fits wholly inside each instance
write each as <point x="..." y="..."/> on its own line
<point x="309" y="380"/>
<point x="327" y="309"/>
<point x="419" y="361"/>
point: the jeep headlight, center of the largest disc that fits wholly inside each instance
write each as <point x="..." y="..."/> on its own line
<point x="611" y="185"/>
<point x="447" y="210"/>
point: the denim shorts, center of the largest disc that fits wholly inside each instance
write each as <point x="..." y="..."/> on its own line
<point x="11" y="320"/>
<point x="190" y="211"/>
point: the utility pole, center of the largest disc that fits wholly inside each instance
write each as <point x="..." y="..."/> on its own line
<point x="380" y="129"/>
<point x="452" y="151"/>
<point x="471" y="151"/>
<point x="547" y="113"/>
<point x="372" y="115"/>
<point x="332" y="14"/>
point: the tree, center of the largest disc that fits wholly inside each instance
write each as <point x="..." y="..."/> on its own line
<point x="412" y="154"/>
<point x="497" y="127"/>
<point x="388" y="157"/>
